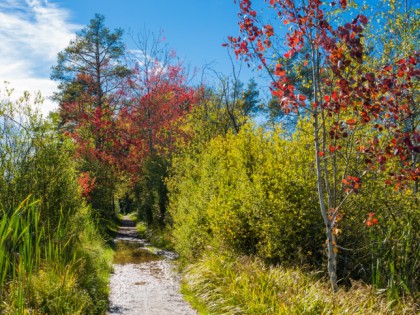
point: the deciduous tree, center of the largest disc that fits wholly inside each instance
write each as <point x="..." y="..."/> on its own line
<point x="156" y="96"/>
<point x="344" y="96"/>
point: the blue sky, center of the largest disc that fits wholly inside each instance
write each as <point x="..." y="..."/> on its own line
<point x="194" y="28"/>
<point x="32" y="32"/>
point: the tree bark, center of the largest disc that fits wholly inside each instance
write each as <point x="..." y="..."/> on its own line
<point x="331" y="250"/>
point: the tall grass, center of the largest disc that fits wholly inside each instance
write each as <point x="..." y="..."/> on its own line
<point x="228" y="284"/>
<point x="51" y="270"/>
<point x="20" y="250"/>
<point x="52" y="257"/>
<point x="395" y="260"/>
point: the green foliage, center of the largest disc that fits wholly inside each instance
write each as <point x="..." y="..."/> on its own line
<point x="253" y="194"/>
<point x="151" y="191"/>
<point x="221" y="110"/>
<point x="249" y="192"/>
<point x="52" y="259"/>
<point x="141" y="228"/>
<point x="90" y="63"/>
<point x="251" y="99"/>
<point x="61" y="272"/>
<point x="20" y="240"/>
<point x="35" y="160"/>
<point x="160" y="238"/>
<point x="58" y="293"/>
<point x="386" y="254"/>
<point x="399" y="31"/>
<point x="102" y="197"/>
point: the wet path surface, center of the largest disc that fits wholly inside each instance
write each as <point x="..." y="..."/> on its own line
<point x="143" y="282"/>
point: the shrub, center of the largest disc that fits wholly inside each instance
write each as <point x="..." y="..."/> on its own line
<point x="151" y="191"/>
<point x="250" y="192"/>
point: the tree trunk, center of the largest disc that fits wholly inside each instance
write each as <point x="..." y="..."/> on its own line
<point x="331" y="250"/>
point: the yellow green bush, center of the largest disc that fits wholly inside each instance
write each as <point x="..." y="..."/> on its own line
<point x="254" y="193"/>
<point x="251" y="192"/>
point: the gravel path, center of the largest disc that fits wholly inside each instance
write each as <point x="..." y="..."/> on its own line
<point x="144" y="283"/>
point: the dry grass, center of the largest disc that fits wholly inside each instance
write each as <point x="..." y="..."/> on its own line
<point x="223" y="284"/>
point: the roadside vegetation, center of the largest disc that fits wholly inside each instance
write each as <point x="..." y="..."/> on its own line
<point x="223" y="283"/>
<point x="321" y="215"/>
<point x="53" y="260"/>
<point x="245" y="213"/>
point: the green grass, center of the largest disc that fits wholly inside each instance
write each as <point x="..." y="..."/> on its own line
<point x="133" y="216"/>
<point x="141" y="229"/>
<point x="64" y="270"/>
<point x="225" y="284"/>
<point x="20" y="250"/>
<point x="189" y="296"/>
<point x="158" y="237"/>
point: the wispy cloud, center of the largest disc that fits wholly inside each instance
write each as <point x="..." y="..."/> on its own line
<point x="32" y="32"/>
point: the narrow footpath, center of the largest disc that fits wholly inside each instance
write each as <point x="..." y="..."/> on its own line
<point x="143" y="282"/>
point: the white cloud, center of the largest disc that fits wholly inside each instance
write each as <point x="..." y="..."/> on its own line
<point x="32" y="32"/>
<point x="155" y="66"/>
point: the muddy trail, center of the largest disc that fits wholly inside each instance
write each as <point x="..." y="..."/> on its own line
<point x="143" y="282"/>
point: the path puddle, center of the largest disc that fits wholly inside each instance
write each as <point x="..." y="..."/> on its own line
<point x="128" y="252"/>
<point x="143" y="282"/>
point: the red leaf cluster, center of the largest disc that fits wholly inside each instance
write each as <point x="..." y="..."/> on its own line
<point x="351" y="183"/>
<point x="86" y="183"/>
<point x="371" y="220"/>
<point x="137" y="121"/>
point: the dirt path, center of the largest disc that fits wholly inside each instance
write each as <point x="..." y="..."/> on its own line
<point x="143" y="282"/>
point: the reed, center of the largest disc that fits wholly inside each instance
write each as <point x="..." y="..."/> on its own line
<point x="395" y="260"/>
<point x="48" y="268"/>
<point x="20" y="247"/>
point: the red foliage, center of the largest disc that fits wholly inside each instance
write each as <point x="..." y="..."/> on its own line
<point x="383" y="97"/>
<point x="136" y="121"/>
<point x="371" y="220"/>
<point x="86" y="183"/>
<point x="351" y="183"/>
<point x="155" y="102"/>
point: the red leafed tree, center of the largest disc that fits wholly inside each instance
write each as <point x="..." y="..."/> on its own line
<point x="156" y="95"/>
<point x="343" y="95"/>
<point x="91" y="126"/>
<point x="90" y="70"/>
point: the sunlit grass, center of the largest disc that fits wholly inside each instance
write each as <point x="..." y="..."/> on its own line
<point x="225" y="284"/>
<point x="63" y="271"/>
<point x="141" y="228"/>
